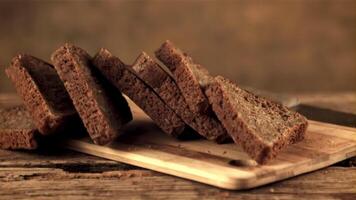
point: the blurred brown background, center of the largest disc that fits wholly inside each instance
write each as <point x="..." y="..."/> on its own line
<point x="281" y="46"/>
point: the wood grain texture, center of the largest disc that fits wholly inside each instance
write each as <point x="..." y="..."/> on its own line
<point x="59" y="158"/>
<point x="44" y="183"/>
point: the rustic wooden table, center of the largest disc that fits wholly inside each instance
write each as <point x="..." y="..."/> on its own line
<point x="65" y="174"/>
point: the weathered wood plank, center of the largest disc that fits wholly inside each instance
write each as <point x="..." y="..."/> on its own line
<point x="15" y="183"/>
<point x="59" y="158"/>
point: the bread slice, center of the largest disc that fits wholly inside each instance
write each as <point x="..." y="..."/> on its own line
<point x="16" y="129"/>
<point x="260" y="126"/>
<point x="159" y="80"/>
<point x="124" y="78"/>
<point x="189" y="75"/>
<point x="43" y="93"/>
<point x="163" y="84"/>
<point x="102" y="108"/>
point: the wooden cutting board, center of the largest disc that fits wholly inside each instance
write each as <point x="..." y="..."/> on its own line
<point x="221" y="165"/>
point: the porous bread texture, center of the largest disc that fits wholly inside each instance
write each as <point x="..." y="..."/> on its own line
<point x="189" y="76"/>
<point x="163" y="84"/>
<point x="102" y="108"/>
<point x="260" y="126"/>
<point x="124" y="78"/>
<point x="16" y="129"/>
<point x="154" y="76"/>
<point x="42" y="92"/>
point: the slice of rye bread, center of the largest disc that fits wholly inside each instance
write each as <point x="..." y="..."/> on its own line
<point x="16" y="129"/>
<point x="155" y="77"/>
<point x="102" y="108"/>
<point x="42" y="92"/>
<point x="189" y="76"/>
<point x="124" y="78"/>
<point x="163" y="84"/>
<point x="260" y="126"/>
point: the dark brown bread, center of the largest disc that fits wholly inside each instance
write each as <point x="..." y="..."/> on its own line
<point x="260" y="126"/>
<point x="43" y="93"/>
<point x="124" y="78"/>
<point x="155" y="77"/>
<point x="16" y="129"/>
<point x="101" y="106"/>
<point x="163" y="84"/>
<point x="189" y="76"/>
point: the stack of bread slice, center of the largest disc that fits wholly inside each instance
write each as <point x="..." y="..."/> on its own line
<point x="78" y="90"/>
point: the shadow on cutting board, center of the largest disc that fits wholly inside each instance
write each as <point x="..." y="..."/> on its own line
<point x="326" y="115"/>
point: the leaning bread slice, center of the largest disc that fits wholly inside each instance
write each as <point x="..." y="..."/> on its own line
<point x="163" y="84"/>
<point x="189" y="76"/>
<point x="124" y="78"/>
<point x="42" y="92"/>
<point x="260" y="126"/>
<point x="16" y="129"/>
<point x="101" y="106"/>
